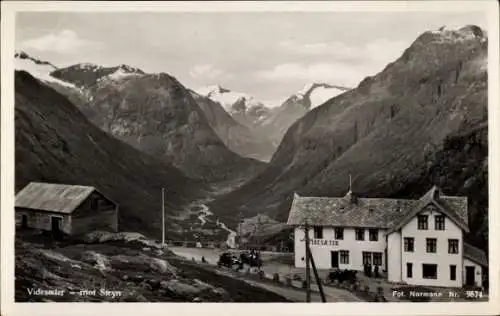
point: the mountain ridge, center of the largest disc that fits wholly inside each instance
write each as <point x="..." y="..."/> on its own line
<point x="111" y="98"/>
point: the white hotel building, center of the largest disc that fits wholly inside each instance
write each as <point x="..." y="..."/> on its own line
<point x="418" y="242"/>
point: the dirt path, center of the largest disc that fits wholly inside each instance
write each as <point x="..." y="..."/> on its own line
<point x="292" y="293"/>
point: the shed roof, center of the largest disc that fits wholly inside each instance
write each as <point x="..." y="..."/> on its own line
<point x="60" y="198"/>
<point x="475" y="254"/>
<point x="369" y="212"/>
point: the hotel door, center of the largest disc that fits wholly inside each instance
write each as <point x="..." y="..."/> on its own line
<point x="469" y="276"/>
<point x="24" y="221"/>
<point x="56" y="225"/>
<point x="335" y="259"/>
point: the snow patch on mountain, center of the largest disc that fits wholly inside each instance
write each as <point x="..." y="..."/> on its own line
<point x="319" y="93"/>
<point x="39" y="69"/>
<point x="119" y="74"/>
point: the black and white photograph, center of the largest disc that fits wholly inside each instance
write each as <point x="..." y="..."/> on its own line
<point x="234" y="155"/>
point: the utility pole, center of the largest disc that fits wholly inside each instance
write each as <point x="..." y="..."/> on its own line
<point x="240" y="237"/>
<point x="162" y="216"/>
<point x="257" y="236"/>
<point x="316" y="276"/>
<point x="308" y="271"/>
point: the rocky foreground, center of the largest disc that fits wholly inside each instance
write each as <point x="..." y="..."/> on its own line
<point x="121" y="267"/>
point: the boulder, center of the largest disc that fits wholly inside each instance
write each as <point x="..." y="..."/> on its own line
<point x="99" y="261"/>
<point x="178" y="288"/>
<point x="76" y="266"/>
<point x="143" y="263"/>
<point x="202" y="285"/>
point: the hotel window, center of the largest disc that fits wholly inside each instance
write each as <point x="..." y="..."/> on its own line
<point x="360" y="234"/>
<point x="439" y="222"/>
<point x="429" y="271"/>
<point x="377" y="258"/>
<point x="431" y="245"/>
<point x="339" y="233"/>
<point x="344" y="256"/>
<point x="367" y="258"/>
<point x="318" y="232"/>
<point x="409" y="270"/>
<point x="373" y="234"/>
<point x="453" y="272"/>
<point x="452" y="245"/>
<point x="422" y="222"/>
<point x="409" y="244"/>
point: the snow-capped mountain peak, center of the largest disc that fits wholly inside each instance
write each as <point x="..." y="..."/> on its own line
<point x="230" y="100"/>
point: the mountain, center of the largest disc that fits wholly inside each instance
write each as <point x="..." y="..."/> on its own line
<point x="236" y="136"/>
<point x="296" y="106"/>
<point x="243" y="108"/>
<point x="384" y="132"/>
<point x="269" y="124"/>
<point x="54" y="142"/>
<point x="158" y="115"/>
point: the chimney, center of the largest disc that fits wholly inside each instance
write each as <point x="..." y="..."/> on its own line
<point x="350" y="196"/>
<point x="436" y="192"/>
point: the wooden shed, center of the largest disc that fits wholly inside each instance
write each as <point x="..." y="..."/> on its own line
<point x="71" y="209"/>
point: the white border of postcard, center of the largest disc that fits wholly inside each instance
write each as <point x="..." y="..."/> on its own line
<point x="9" y="307"/>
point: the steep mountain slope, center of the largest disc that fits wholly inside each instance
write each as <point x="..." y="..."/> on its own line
<point x="156" y="114"/>
<point x="381" y="132"/>
<point x="296" y="106"/>
<point x="236" y="136"/>
<point x="56" y="143"/>
<point x="461" y="167"/>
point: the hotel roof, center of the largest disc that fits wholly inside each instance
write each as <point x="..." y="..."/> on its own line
<point x="392" y="214"/>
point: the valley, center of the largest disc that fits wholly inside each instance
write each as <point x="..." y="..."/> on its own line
<point x="233" y="165"/>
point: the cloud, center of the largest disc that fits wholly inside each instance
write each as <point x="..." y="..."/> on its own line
<point x="334" y="73"/>
<point x="64" y="42"/>
<point x="380" y="50"/>
<point x="335" y="62"/>
<point x="207" y="71"/>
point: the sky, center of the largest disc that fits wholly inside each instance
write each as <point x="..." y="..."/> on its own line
<point x="268" y="55"/>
